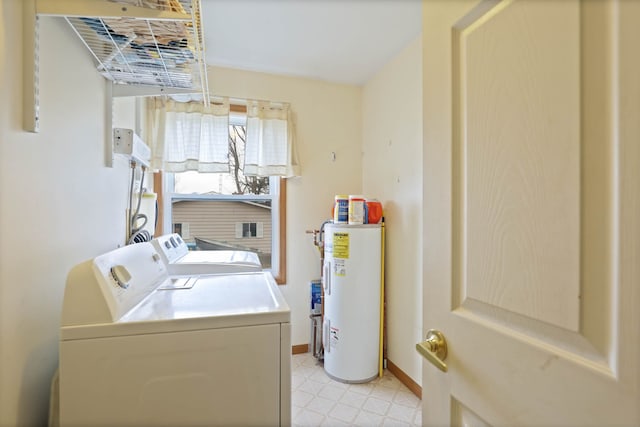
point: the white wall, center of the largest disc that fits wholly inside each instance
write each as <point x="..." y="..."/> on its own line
<point x="59" y="205"/>
<point x="392" y="172"/>
<point x="328" y="119"/>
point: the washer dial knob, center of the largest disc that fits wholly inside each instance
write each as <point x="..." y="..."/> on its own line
<point x="121" y="275"/>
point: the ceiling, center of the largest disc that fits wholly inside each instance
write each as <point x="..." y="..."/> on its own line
<point x="340" y="41"/>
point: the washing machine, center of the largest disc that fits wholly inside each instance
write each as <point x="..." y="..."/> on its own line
<point x="139" y="347"/>
<point x="180" y="261"/>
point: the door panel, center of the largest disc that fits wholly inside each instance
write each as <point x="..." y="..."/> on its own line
<point x="516" y="173"/>
<point x="531" y="193"/>
<point x="462" y="416"/>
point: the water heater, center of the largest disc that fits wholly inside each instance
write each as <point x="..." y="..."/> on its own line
<point x="352" y="301"/>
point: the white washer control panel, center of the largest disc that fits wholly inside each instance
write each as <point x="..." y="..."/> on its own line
<point x="121" y="275"/>
<point x="127" y="275"/>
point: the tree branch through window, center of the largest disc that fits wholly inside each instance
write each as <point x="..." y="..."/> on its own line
<point x="244" y="184"/>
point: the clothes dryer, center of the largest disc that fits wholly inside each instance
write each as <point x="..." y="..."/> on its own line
<point x="180" y="260"/>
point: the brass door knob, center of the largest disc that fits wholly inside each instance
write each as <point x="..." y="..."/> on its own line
<point x="434" y="349"/>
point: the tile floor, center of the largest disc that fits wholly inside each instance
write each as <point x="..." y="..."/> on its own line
<point x="317" y="400"/>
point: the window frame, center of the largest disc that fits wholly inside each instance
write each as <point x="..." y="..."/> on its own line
<point x="163" y="181"/>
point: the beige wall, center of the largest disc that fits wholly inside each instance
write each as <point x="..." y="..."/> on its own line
<point x="392" y="172"/>
<point x="328" y="119"/>
<point x="59" y="205"/>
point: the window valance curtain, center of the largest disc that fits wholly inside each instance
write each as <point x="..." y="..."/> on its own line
<point x="188" y="136"/>
<point x="270" y="149"/>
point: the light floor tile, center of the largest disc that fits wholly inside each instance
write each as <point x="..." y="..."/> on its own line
<point x="311" y="386"/>
<point x="339" y="384"/>
<point x="377" y="406"/>
<point x="321" y="405"/>
<point x="308" y="361"/>
<point x="406" y="398"/>
<point x="296" y="381"/>
<point x="389" y="381"/>
<point x="301" y="398"/>
<point x="367" y="419"/>
<point x="305" y="371"/>
<point x="344" y="413"/>
<point x="354" y="399"/>
<point x="383" y="393"/>
<point x="401" y="413"/>
<point x="308" y="418"/>
<point x="318" y="400"/>
<point x="390" y="422"/>
<point x="417" y="420"/>
<point x="332" y="422"/>
<point x="320" y="376"/>
<point x="362" y="388"/>
<point x="295" y="410"/>
<point x="331" y="392"/>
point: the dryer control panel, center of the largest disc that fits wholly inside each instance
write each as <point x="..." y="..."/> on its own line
<point x="171" y="247"/>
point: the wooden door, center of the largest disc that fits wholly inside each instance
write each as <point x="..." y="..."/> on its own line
<point x="532" y="211"/>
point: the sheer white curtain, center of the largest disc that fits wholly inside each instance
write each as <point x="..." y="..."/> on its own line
<point x="188" y="136"/>
<point x="269" y="149"/>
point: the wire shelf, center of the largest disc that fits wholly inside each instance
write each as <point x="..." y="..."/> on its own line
<point x="167" y="53"/>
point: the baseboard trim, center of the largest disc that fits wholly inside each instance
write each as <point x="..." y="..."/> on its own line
<point x="404" y="379"/>
<point x="300" y="348"/>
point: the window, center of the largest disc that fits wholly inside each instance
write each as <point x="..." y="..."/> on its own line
<point x="247" y="230"/>
<point x="182" y="228"/>
<point x="222" y="211"/>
